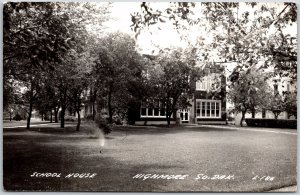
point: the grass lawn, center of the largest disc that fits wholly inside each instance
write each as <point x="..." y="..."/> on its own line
<point x="132" y="150"/>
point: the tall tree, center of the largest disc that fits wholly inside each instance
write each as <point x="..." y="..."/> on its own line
<point x="117" y="64"/>
<point x="78" y="80"/>
<point x="275" y="104"/>
<point x="290" y="103"/>
<point x="171" y="78"/>
<point x="250" y="92"/>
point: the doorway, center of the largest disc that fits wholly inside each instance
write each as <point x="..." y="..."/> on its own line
<point x="185" y="115"/>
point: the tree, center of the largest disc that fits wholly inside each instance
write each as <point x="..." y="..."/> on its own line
<point x="47" y="99"/>
<point x="290" y="103"/>
<point x="31" y="95"/>
<point x="31" y="44"/>
<point x="117" y="64"/>
<point x="71" y="77"/>
<point x="275" y="104"/>
<point x="171" y="78"/>
<point x="38" y="37"/>
<point x="249" y="92"/>
<point x="77" y="84"/>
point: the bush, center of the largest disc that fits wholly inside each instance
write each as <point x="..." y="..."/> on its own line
<point x="92" y="129"/>
<point x="70" y="118"/>
<point x="103" y="124"/>
<point x="279" y="123"/>
<point x="17" y="117"/>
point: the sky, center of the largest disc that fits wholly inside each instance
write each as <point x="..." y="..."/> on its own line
<point x="120" y="12"/>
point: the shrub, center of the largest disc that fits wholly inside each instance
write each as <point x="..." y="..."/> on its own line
<point x="17" y="117"/>
<point x="92" y="129"/>
<point x="279" y="123"/>
<point x="103" y="124"/>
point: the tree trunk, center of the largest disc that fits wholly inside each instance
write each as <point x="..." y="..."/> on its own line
<point x="93" y="111"/>
<point x="30" y="107"/>
<point x="263" y="113"/>
<point x="29" y="114"/>
<point x="51" y="119"/>
<point x="63" y="109"/>
<point x="56" y="115"/>
<point x="78" y="120"/>
<point x="168" y="117"/>
<point x="62" y="116"/>
<point x="110" y="113"/>
<point x="253" y="113"/>
<point x="243" y="117"/>
<point x="9" y="116"/>
<point x="42" y="117"/>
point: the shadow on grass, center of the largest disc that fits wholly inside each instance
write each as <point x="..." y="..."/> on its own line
<point x="134" y="130"/>
<point x="22" y="159"/>
<point x="42" y="129"/>
<point x="143" y="130"/>
<point x="41" y="151"/>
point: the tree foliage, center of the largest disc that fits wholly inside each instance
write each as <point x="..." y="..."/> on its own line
<point x="247" y="33"/>
<point x="118" y="67"/>
<point x="250" y="92"/>
<point x="290" y="103"/>
<point x="42" y="40"/>
<point x="172" y="77"/>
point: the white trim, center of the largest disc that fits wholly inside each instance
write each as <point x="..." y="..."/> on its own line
<point x="143" y="116"/>
<point x="200" y="108"/>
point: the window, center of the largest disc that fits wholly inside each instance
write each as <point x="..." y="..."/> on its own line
<point x="150" y="112"/>
<point x="156" y="108"/>
<point x="203" y="109"/>
<point x="143" y="109"/>
<point x="208" y="108"/>
<point x="213" y="109"/>
<point x="208" y="82"/>
<point x="198" y="108"/>
<point x="203" y="84"/>
<point x="218" y="105"/>
<point x="153" y="108"/>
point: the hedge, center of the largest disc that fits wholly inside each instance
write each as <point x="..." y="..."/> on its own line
<point x="279" y="123"/>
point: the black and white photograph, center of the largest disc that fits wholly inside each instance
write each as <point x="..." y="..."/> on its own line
<point x="149" y="96"/>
